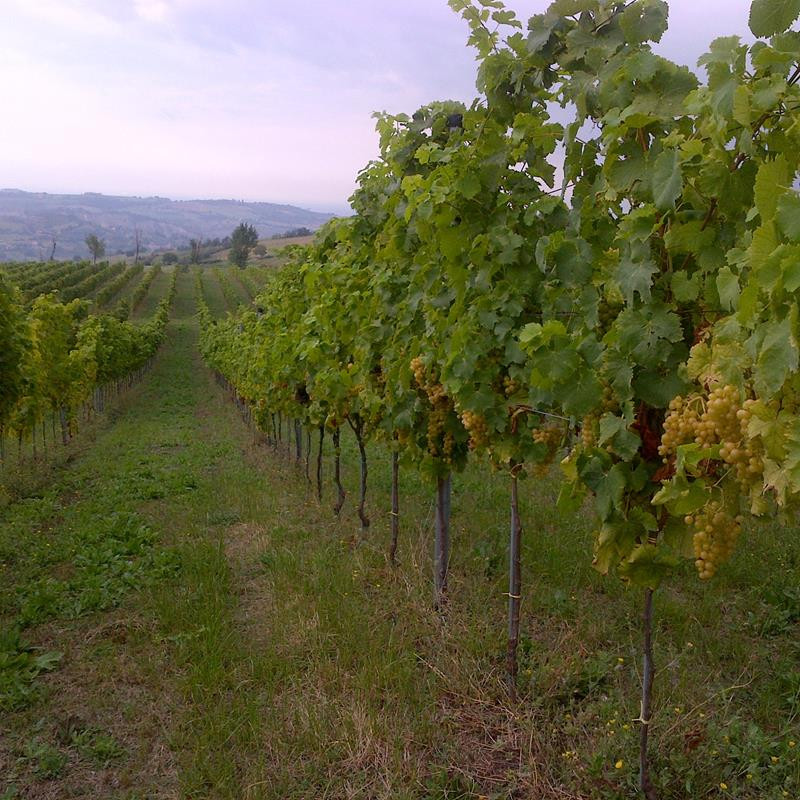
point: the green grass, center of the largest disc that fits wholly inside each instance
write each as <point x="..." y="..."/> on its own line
<point x="158" y="290"/>
<point x="214" y="295"/>
<point x="184" y="618"/>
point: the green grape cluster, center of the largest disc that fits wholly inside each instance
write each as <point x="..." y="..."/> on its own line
<point x="720" y="422"/>
<point x="589" y="431"/>
<point x="510" y="386"/>
<point x="746" y="458"/>
<point x="607" y="312"/>
<point x="609" y="398"/>
<point x="680" y="426"/>
<point x="478" y="430"/>
<point x="723" y="419"/>
<point x="716" y="533"/>
<point x="441" y="443"/>
<point x="550" y="435"/>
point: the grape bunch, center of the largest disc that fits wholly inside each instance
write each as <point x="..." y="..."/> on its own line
<point x="476" y="426"/>
<point x="589" y="431"/>
<point x="441" y="443"/>
<point x="437" y="418"/>
<point x="609" y="398"/>
<point x="432" y="388"/>
<point x="607" y="313"/>
<point x="550" y="435"/>
<point x="510" y="386"/>
<point x="724" y="420"/>
<point x="720" y="422"/>
<point x="419" y="371"/>
<point x="680" y="426"/>
<point x="716" y="532"/>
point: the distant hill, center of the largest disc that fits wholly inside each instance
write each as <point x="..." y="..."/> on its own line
<point x="30" y="221"/>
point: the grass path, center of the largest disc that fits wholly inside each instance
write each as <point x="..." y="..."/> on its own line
<point x="106" y="721"/>
<point x="157" y="290"/>
<point x="182" y="619"/>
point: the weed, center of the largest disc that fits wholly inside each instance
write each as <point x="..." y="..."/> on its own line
<point x="47" y="761"/>
<point x="20" y="665"/>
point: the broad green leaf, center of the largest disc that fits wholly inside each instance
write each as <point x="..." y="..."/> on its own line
<point x="469" y="185"/>
<point x="679" y="537"/>
<point x="788" y="215"/>
<point x="667" y="180"/>
<point x="728" y="288"/>
<point x="570" y="497"/>
<point x="609" y="491"/>
<point x="615" y="540"/>
<point x="768" y="17"/>
<point x="763" y="245"/>
<point x="777" y="357"/>
<point x="567" y="8"/>
<point x="647" y="566"/>
<point x="685" y="288"/>
<point x="657" y="389"/>
<point x="771" y="181"/>
<point x="644" y="21"/>
<point x="682" y="496"/>
<point x="635" y="277"/>
<point x="690" y="455"/>
<point x="741" y="106"/>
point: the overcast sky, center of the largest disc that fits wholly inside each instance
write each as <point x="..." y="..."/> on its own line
<point x="246" y="99"/>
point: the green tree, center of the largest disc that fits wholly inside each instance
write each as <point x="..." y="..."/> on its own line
<point x="243" y="239"/>
<point x="97" y="247"/>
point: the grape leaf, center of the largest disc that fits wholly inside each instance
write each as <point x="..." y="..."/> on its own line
<point x="728" y="288"/>
<point x="667" y="180"/>
<point x="635" y="276"/>
<point x="768" y="17"/>
<point x="777" y="357"/>
<point x="772" y="178"/>
<point x="788" y="215"/>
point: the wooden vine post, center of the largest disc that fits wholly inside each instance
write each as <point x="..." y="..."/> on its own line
<point x="319" y="461"/>
<point x="514" y="586"/>
<point x="395" y="512"/>
<point x="645" y="717"/>
<point x="441" y="545"/>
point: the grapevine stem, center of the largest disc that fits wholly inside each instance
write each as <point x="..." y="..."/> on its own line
<point x="357" y="425"/>
<point x="319" y="462"/>
<point x="337" y="471"/>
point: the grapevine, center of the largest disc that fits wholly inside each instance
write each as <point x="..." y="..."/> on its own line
<point x="648" y="301"/>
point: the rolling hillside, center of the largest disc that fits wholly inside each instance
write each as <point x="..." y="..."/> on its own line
<point x="29" y="222"/>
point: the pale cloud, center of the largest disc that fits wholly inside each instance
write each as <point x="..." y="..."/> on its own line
<point x="239" y="98"/>
<point x="152" y="10"/>
<point x="72" y="16"/>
